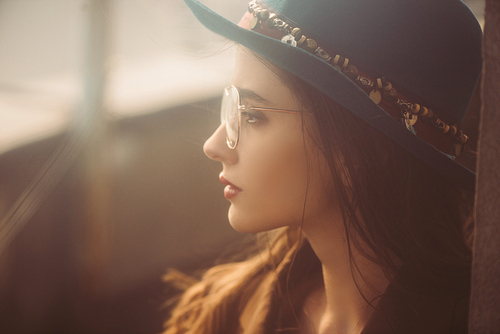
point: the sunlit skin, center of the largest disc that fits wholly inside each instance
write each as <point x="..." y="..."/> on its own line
<point x="279" y="178"/>
<point x="270" y="163"/>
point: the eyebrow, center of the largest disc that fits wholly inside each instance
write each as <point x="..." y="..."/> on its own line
<point x="251" y="95"/>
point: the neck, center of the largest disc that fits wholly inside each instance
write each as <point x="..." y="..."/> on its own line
<point x="342" y="308"/>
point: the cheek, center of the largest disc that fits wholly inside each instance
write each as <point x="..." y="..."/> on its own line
<point x="285" y="175"/>
<point x="277" y="158"/>
<point x="275" y="185"/>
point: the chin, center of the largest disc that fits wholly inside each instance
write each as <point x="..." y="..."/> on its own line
<point x="243" y="228"/>
<point x="242" y="223"/>
<point x="249" y="222"/>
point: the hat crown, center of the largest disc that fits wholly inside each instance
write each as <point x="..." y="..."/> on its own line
<point x="430" y="50"/>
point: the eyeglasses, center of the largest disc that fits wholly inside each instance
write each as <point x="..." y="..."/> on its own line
<point x="230" y="113"/>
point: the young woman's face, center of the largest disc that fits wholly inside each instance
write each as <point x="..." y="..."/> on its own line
<point x="275" y="166"/>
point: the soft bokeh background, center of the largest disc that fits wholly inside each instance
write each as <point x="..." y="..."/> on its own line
<point x="140" y="80"/>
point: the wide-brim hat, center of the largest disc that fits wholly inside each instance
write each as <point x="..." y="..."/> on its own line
<point x="408" y="68"/>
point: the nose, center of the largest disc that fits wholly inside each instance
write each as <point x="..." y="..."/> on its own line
<point x="216" y="147"/>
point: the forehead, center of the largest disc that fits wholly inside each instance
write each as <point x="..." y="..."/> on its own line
<point x="251" y="73"/>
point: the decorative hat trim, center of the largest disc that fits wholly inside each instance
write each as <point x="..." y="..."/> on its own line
<point x="449" y="139"/>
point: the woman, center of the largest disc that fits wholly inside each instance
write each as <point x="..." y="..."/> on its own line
<point x="339" y="133"/>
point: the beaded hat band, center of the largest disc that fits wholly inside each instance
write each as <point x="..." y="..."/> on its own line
<point x="420" y="120"/>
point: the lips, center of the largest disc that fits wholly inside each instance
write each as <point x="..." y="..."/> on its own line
<point x="230" y="191"/>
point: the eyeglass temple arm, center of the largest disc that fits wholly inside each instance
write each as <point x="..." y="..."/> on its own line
<point x="272" y="109"/>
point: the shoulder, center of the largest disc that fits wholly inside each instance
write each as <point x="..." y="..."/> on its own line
<point x="274" y="302"/>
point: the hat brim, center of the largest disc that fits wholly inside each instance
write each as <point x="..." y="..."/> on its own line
<point x="337" y="86"/>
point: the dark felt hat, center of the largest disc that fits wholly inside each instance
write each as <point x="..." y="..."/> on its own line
<point x="422" y="56"/>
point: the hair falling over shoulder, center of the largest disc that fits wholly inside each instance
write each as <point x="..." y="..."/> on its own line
<point x="213" y="304"/>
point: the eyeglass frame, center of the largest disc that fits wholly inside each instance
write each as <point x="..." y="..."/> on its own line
<point x="242" y="107"/>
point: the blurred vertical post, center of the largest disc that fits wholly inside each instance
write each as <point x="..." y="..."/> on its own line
<point x="484" y="316"/>
<point x="94" y="161"/>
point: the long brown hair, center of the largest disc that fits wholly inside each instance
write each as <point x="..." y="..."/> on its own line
<point x="394" y="206"/>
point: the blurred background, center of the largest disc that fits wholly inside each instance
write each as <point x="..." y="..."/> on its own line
<point x="104" y="108"/>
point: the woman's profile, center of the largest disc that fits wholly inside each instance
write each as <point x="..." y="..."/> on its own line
<point x="338" y="138"/>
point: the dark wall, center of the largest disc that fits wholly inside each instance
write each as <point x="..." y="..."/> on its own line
<point x="164" y="208"/>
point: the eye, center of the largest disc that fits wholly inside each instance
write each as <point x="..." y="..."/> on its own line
<point x="249" y="117"/>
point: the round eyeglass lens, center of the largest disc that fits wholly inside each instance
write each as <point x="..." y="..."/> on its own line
<point x="229" y="114"/>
